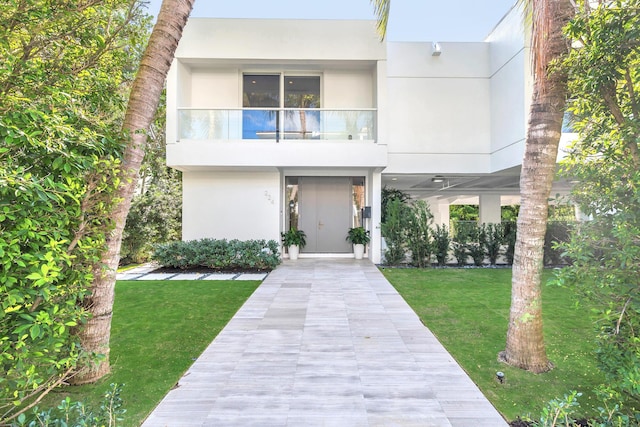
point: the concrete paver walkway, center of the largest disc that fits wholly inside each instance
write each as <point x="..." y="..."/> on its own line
<point x="325" y="342"/>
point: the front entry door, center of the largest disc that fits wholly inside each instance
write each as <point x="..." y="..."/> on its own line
<point x="325" y="213"/>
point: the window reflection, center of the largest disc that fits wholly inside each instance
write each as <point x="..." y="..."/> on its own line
<point x="292" y="202"/>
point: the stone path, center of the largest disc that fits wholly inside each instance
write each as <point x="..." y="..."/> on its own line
<point x="145" y="272"/>
<point x="325" y="342"/>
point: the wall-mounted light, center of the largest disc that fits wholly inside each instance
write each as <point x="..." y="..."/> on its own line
<point x="436" y="50"/>
<point x="437" y="178"/>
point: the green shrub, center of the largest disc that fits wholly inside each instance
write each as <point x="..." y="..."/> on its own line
<point x="219" y="254"/>
<point x="394" y="231"/>
<point x="509" y="229"/>
<point x="468" y="242"/>
<point x="493" y="240"/>
<point x="419" y="234"/>
<point x="460" y="253"/>
<point x="441" y="243"/>
<point x="68" y="413"/>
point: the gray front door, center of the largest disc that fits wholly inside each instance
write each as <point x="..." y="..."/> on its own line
<point x="325" y="213"/>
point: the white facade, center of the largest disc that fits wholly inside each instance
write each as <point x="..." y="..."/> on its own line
<point x="340" y="104"/>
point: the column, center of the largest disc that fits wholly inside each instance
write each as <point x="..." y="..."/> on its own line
<point x="490" y="209"/>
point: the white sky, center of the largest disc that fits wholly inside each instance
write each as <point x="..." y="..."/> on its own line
<point x="410" y="20"/>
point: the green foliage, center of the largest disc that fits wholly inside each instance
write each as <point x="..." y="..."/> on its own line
<point x="293" y="236"/>
<point x="155" y="215"/>
<point x="560" y="412"/>
<point x="389" y="194"/>
<point x="469" y="240"/>
<point x="394" y="231"/>
<point x="558" y="232"/>
<point x="419" y="234"/>
<point x="68" y="413"/>
<point x="464" y="213"/>
<point x="509" y="213"/>
<point x="441" y="244"/>
<point x="63" y="77"/>
<point x="358" y="236"/>
<point x="605" y="251"/>
<point x="460" y="253"/>
<point x="494" y="238"/>
<point x="510" y="230"/>
<point x="219" y="254"/>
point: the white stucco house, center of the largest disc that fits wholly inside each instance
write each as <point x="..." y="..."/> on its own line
<point x="277" y="123"/>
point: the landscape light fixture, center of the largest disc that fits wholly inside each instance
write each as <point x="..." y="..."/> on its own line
<point x="437" y="178"/>
<point x="436" y="50"/>
<point x="500" y="377"/>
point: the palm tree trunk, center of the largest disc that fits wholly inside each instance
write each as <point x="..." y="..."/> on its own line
<point x="525" y="342"/>
<point x="143" y="101"/>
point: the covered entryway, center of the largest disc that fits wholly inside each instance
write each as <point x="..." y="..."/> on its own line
<point x="325" y="207"/>
<point x="325" y="213"/>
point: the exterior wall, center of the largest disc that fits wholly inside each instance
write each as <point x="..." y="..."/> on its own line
<point x="510" y="91"/>
<point x="201" y="154"/>
<point x="214" y="88"/>
<point x="438" y="108"/>
<point x="462" y="112"/>
<point x="231" y="205"/>
<point x="348" y="89"/>
<point x="267" y="39"/>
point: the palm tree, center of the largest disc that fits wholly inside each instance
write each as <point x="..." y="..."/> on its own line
<point x="143" y="102"/>
<point x="525" y="342"/>
<point x="525" y="347"/>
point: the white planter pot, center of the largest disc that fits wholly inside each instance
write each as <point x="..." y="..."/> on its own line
<point x="358" y="251"/>
<point x="294" y="250"/>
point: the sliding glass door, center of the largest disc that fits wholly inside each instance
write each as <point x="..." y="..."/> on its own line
<point x="280" y="106"/>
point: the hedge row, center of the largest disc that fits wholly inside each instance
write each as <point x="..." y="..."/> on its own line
<point x="219" y="254"/>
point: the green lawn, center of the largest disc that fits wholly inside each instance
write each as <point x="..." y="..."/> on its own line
<point x="159" y="328"/>
<point x="468" y="310"/>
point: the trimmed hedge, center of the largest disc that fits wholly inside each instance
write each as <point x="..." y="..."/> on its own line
<point x="219" y="254"/>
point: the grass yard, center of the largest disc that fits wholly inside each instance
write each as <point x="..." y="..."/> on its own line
<point x="468" y="310"/>
<point x="159" y="328"/>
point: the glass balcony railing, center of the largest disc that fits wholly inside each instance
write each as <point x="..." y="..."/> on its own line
<point x="277" y="124"/>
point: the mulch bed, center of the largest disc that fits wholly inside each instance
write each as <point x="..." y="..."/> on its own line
<point x="205" y="270"/>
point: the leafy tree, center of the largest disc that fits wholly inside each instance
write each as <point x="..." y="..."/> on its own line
<point x="63" y="79"/>
<point x="604" y="82"/>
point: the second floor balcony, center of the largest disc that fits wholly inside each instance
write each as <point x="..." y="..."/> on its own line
<point x="276" y="124"/>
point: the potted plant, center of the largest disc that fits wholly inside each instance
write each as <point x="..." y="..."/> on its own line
<point x="294" y="240"/>
<point x="359" y="237"/>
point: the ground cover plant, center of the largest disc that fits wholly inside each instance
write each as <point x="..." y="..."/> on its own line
<point x="159" y="329"/>
<point x="468" y="310"/>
